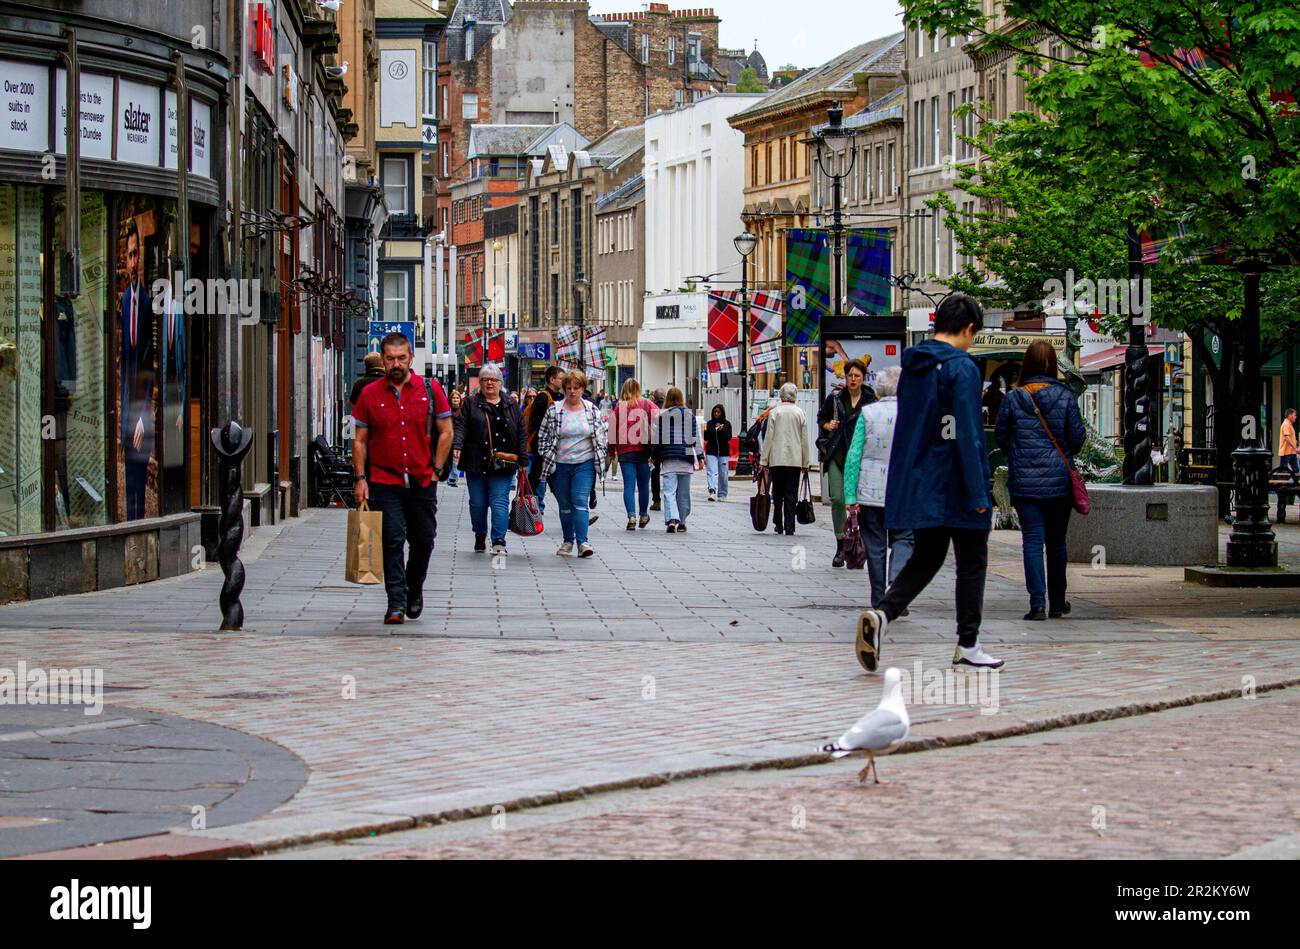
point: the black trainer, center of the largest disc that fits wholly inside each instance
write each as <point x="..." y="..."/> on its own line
<point x="394" y="618"/>
<point x="415" y="605"/>
<point x="1036" y="615"/>
<point x="480" y="543"/>
<point x="1058" y="612"/>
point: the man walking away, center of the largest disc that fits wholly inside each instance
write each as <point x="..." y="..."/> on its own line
<point x="1287" y="450"/>
<point x="405" y="436"/>
<point x="374" y="370"/>
<point x="939" y="483"/>
<point x="536" y="412"/>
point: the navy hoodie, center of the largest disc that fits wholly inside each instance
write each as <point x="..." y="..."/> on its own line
<point x="938" y="466"/>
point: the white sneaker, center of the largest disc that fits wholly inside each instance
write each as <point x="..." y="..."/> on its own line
<point x="498" y="550"/>
<point x="584" y="550"/>
<point x="566" y="549"/>
<point x="976" y="656"/>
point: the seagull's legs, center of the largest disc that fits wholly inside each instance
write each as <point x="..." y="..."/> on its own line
<point x="874" y="772"/>
<point x="862" y="775"/>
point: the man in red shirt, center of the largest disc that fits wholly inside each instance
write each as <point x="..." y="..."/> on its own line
<point x="396" y="431"/>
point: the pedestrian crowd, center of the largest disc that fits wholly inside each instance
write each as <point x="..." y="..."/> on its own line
<point x="905" y="462"/>
<point x="503" y="444"/>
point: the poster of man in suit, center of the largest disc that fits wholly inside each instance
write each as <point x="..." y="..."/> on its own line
<point x="136" y="367"/>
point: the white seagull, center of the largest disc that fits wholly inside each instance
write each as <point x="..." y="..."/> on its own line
<point x="878" y="732"/>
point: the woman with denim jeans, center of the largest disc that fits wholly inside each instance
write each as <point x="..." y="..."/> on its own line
<point x="678" y="442"/>
<point x="717" y="453"/>
<point x="629" y="441"/>
<point x="490" y="439"/>
<point x="572" y="443"/>
<point x="1041" y="488"/>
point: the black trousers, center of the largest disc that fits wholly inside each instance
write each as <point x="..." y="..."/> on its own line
<point x="655" y="484"/>
<point x="411" y="519"/>
<point x="931" y="550"/>
<point x="785" y="493"/>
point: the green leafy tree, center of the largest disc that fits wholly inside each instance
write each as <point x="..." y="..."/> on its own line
<point x="1165" y="113"/>
<point x="748" y="81"/>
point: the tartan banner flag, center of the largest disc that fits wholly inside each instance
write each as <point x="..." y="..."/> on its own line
<point x="724" y="319"/>
<point x="566" y="344"/>
<point x="807" y="285"/>
<point x="764" y="318"/>
<point x="868" y="271"/>
<point x="496" y="347"/>
<point x="725" y="360"/>
<point x="474" y="347"/>
<point x="1157" y="245"/>
<point x="765" y="355"/>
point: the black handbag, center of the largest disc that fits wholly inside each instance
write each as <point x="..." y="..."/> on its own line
<point x="760" y="505"/>
<point x="497" y="463"/>
<point x="803" y="508"/>
<point x="824" y="437"/>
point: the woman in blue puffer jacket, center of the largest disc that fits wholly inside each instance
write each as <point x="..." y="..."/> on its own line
<point x="1041" y="491"/>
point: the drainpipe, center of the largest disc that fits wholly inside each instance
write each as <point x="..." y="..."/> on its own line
<point x="70" y="275"/>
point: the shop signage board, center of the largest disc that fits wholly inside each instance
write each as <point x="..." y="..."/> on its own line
<point x="138" y="122"/>
<point x="25" y="107"/>
<point x="96" y="115"/>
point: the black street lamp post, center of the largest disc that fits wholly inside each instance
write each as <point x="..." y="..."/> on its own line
<point x="580" y="285"/>
<point x="831" y="135"/>
<point x="745" y="244"/>
<point x="1252" y="542"/>
<point x="1137" y="384"/>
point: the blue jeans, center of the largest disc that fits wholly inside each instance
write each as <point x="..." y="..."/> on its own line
<point x="490" y="491"/>
<point x="636" y="481"/>
<point x="572" y="485"/>
<point x="1288" y="463"/>
<point x="1043" y="523"/>
<point x="716" y="467"/>
<point x="677" y="497"/>
<point x="410" y="519"/>
<point x="892" y="546"/>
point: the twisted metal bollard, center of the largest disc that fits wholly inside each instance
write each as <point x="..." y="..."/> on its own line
<point x="231" y="442"/>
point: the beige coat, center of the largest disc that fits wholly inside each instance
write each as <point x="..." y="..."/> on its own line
<point x="786" y="442"/>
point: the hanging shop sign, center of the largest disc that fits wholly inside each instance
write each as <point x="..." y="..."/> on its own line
<point x="262" y="36"/>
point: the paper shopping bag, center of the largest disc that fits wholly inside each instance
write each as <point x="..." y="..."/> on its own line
<point x="365" y="545"/>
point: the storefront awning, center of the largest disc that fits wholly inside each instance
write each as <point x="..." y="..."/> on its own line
<point x="1110" y="358"/>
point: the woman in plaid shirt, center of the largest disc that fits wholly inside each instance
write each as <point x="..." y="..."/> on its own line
<point x="572" y="443"/>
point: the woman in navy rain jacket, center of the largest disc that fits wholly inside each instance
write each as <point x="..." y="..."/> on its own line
<point x="1041" y="491"/>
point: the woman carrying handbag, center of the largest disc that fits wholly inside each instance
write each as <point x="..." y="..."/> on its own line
<point x="1040" y="428"/>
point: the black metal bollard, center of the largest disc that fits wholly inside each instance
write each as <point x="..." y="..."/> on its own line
<point x="232" y="442"/>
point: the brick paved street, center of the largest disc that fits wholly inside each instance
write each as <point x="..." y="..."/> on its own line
<point x="553" y="676"/>
<point x="1137" y="788"/>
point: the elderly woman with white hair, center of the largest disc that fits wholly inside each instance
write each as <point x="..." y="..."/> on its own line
<point x="785" y="455"/>
<point x="866" y="472"/>
<point x="490" y="440"/>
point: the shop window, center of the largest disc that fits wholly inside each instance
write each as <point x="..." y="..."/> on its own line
<point x="141" y="257"/>
<point x="21" y="489"/>
<point x="80" y="489"/>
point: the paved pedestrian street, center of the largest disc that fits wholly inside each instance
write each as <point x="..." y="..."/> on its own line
<point x="676" y="675"/>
